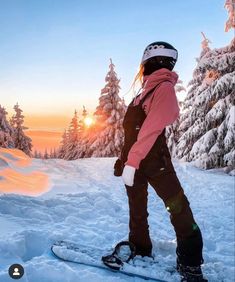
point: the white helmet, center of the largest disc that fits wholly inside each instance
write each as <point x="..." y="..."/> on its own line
<point x="164" y="53"/>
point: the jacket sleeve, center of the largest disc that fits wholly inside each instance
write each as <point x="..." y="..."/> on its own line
<point x="164" y="110"/>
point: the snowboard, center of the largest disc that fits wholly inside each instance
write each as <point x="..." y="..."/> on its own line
<point x="91" y="256"/>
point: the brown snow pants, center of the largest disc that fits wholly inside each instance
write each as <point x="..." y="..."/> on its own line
<point x="160" y="174"/>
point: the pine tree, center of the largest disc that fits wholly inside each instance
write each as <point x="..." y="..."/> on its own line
<point x="51" y="156"/>
<point x="35" y="154"/>
<point x="40" y="155"/>
<point x="46" y="155"/>
<point x="82" y="124"/>
<point x="86" y="132"/>
<point x="22" y="142"/>
<point x="54" y="153"/>
<point x="84" y="113"/>
<point x="6" y="130"/>
<point x="205" y="46"/>
<point x="207" y="123"/>
<point x="62" y="148"/>
<point x="179" y="86"/>
<point x="72" y="145"/>
<point x="230" y="6"/>
<point x="171" y="134"/>
<point x="108" y="138"/>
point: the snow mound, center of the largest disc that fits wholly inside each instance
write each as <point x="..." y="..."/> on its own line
<point x="15" y="156"/>
<point x="18" y="174"/>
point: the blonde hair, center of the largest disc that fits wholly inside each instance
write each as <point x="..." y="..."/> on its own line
<point x="138" y="79"/>
<point x="139" y="76"/>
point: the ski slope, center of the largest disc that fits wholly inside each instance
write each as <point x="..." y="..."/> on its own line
<point x="82" y="201"/>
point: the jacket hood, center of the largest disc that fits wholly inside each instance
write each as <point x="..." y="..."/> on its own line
<point x="157" y="77"/>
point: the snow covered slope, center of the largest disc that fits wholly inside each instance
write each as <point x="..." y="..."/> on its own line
<point x="87" y="204"/>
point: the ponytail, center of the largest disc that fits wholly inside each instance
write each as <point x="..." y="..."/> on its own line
<point x="139" y="77"/>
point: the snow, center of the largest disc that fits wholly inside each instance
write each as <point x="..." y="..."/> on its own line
<point x="85" y="203"/>
<point x="19" y="175"/>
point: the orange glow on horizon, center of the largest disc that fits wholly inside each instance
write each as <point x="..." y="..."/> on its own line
<point x="46" y="130"/>
<point x="44" y="140"/>
<point x="47" y="122"/>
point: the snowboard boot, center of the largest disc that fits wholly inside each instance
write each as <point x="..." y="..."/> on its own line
<point x="190" y="273"/>
<point x="144" y="253"/>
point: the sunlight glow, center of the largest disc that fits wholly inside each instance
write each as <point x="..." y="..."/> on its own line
<point x="88" y="121"/>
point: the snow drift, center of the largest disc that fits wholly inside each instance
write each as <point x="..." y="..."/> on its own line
<point x="18" y="175"/>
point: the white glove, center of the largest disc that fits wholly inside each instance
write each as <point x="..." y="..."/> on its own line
<point x="128" y="175"/>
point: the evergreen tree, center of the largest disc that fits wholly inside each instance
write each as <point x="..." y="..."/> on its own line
<point x="86" y="132"/>
<point x="108" y="135"/>
<point x="40" y="155"/>
<point x="205" y="46"/>
<point x="179" y="86"/>
<point x="72" y="145"/>
<point x="46" y="155"/>
<point x="22" y="142"/>
<point x="35" y="154"/>
<point x="172" y="134"/>
<point x="82" y="124"/>
<point x="230" y="6"/>
<point x="84" y="113"/>
<point x="54" y="153"/>
<point x="207" y="127"/>
<point x="6" y="130"/>
<point x="51" y="156"/>
<point x="62" y="148"/>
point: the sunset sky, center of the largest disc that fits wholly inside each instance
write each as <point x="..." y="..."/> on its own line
<point x="55" y="53"/>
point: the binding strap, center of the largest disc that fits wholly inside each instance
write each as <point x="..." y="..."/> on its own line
<point x="115" y="260"/>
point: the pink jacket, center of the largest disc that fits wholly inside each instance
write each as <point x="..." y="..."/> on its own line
<point x="161" y="109"/>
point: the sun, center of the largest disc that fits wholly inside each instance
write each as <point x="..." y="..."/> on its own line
<point x="88" y="121"/>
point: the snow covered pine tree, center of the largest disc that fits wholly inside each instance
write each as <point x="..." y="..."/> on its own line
<point x="86" y="132"/>
<point x="46" y="155"/>
<point x="22" y="142"/>
<point x="172" y="134"/>
<point x="6" y="131"/>
<point x="230" y="6"/>
<point x="62" y="147"/>
<point x="207" y="126"/>
<point x="109" y="114"/>
<point x="72" y="142"/>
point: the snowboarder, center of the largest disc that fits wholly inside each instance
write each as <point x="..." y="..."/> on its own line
<point x="146" y="159"/>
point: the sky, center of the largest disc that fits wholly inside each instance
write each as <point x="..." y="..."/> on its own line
<point x="54" y="54"/>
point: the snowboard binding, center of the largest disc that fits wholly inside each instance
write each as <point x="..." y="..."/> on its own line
<point x="123" y="252"/>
